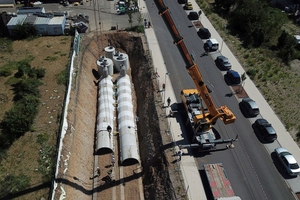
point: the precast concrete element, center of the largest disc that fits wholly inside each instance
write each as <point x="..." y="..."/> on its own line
<point x="105" y="117"/>
<point x="127" y="133"/>
<point x="109" y="52"/>
<point x="105" y="62"/>
<point x="120" y="59"/>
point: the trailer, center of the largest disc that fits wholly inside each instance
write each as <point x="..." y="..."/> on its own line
<point x="219" y="183"/>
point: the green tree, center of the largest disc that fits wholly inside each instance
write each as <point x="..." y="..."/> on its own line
<point x="24" y="30"/>
<point x="18" y="119"/>
<point x="256" y="22"/>
<point x="286" y="44"/>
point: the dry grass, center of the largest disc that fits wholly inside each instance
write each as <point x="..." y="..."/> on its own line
<point x="22" y="156"/>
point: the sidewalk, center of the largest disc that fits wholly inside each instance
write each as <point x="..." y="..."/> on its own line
<point x="188" y="166"/>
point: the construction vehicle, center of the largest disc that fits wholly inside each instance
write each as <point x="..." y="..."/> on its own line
<point x="202" y="120"/>
<point x="219" y="183"/>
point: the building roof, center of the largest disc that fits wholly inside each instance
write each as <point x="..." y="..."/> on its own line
<point x="23" y="10"/>
<point x="56" y="20"/>
<point x="7" y="2"/>
<point x="19" y="19"/>
<point x="42" y="20"/>
<point x="30" y="19"/>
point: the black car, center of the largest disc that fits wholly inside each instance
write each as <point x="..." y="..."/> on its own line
<point x="233" y="76"/>
<point x="193" y="15"/>
<point x="182" y="1"/>
<point x="204" y="33"/>
<point x="266" y="129"/>
<point x="223" y="62"/>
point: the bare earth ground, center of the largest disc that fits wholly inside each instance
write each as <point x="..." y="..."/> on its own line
<point x="23" y="155"/>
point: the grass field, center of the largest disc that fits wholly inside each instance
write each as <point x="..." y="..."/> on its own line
<point x="28" y="163"/>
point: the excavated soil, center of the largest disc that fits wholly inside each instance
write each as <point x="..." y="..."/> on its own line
<point x="160" y="175"/>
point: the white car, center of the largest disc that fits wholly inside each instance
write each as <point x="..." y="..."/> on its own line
<point x="289" y="162"/>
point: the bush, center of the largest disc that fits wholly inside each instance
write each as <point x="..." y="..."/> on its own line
<point x="63" y="77"/>
<point x="37" y="73"/>
<point x="11" y="184"/>
<point x="251" y="73"/>
<point x="5" y="71"/>
<point x="138" y="29"/>
<point x="19" y="118"/>
<point x="25" y="87"/>
<point x="24" y="30"/>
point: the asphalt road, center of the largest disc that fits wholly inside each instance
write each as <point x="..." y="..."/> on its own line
<point x="252" y="172"/>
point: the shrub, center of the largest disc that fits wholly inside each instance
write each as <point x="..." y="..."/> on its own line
<point x="251" y="73"/>
<point x="37" y="73"/>
<point x="25" y="87"/>
<point x="19" y="118"/>
<point x="5" y="71"/>
<point x="11" y="184"/>
<point x="63" y="77"/>
<point x="138" y="29"/>
<point x="24" y="30"/>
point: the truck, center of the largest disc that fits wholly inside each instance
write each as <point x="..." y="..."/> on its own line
<point x="219" y="183"/>
<point x="203" y="137"/>
<point x="202" y="120"/>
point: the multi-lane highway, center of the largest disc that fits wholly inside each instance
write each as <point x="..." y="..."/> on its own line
<point x="250" y="167"/>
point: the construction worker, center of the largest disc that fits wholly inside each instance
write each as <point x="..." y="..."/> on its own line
<point x="169" y="101"/>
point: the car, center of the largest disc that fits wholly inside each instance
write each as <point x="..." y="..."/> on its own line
<point x="76" y="4"/>
<point x="188" y="6"/>
<point x="193" y="15"/>
<point x="223" y="62"/>
<point x="250" y="106"/>
<point x="182" y="1"/>
<point x="288" y="161"/>
<point x="204" y="33"/>
<point x="233" y="76"/>
<point x="212" y="44"/>
<point x="65" y="3"/>
<point x="266" y="130"/>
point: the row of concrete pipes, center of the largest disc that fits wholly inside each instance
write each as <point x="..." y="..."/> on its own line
<point x="105" y="129"/>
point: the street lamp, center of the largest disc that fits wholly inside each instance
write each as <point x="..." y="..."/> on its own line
<point x="165" y="86"/>
<point x="223" y="36"/>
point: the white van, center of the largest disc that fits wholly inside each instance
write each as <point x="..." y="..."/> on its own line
<point x="212" y="44"/>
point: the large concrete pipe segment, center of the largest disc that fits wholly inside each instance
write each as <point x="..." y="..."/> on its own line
<point x="105" y="62"/>
<point x="105" y="117"/>
<point x="109" y="52"/>
<point x="127" y="133"/>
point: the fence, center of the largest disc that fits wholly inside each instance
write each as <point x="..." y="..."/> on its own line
<point x="63" y="119"/>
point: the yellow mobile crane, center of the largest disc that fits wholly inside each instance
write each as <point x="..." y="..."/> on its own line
<point x="201" y="119"/>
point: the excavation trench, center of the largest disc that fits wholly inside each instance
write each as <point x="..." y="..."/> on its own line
<point x="157" y="183"/>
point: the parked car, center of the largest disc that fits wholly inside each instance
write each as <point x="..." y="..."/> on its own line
<point x="223" y="62"/>
<point x="288" y="161"/>
<point x="76" y="4"/>
<point x="189" y="6"/>
<point x="212" y="44"/>
<point x="193" y="15"/>
<point x="204" y="33"/>
<point x="250" y="107"/>
<point x="233" y="76"/>
<point x="266" y="129"/>
<point x="182" y="1"/>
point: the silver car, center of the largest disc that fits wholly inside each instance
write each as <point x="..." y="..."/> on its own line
<point x="289" y="162"/>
